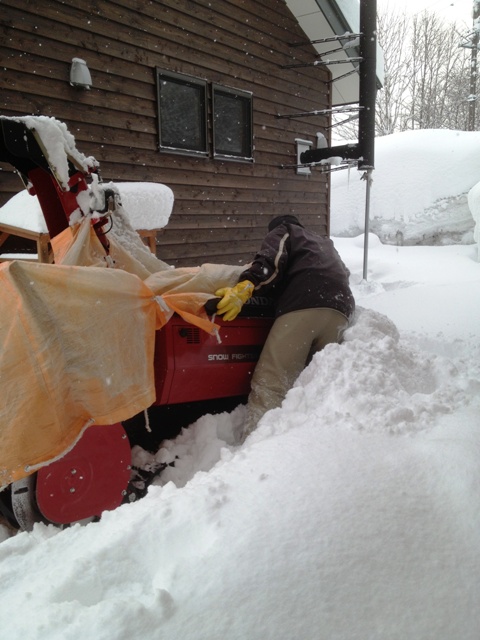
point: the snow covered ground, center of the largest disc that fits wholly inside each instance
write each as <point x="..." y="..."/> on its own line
<point x="351" y="513"/>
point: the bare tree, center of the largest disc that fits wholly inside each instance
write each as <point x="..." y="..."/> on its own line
<point x="437" y="65"/>
<point x="392" y="100"/>
<point x="427" y="76"/>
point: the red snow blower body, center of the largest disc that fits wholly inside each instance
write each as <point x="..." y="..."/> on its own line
<point x="194" y="372"/>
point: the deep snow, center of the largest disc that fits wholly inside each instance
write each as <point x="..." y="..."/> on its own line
<point x="352" y="512"/>
<point x="419" y="193"/>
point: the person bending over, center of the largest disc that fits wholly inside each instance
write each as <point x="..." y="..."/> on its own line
<point x="304" y="274"/>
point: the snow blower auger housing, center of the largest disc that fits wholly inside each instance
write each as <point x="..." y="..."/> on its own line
<point x="89" y="470"/>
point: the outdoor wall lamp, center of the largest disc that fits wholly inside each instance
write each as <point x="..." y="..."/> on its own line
<point x="80" y="74"/>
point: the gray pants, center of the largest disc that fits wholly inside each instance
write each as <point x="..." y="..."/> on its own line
<point x="291" y="343"/>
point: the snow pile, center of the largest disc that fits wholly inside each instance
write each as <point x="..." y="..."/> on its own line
<point x="59" y="144"/>
<point x="419" y="192"/>
<point x="376" y="383"/>
<point x="474" y="205"/>
<point x="325" y="524"/>
<point x="24" y="211"/>
<point x="148" y="205"/>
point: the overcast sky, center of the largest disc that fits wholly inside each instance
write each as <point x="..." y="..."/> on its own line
<point x="457" y="10"/>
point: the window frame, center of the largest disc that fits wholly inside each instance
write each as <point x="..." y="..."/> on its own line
<point x="197" y="83"/>
<point x="247" y="143"/>
<point x="207" y="129"/>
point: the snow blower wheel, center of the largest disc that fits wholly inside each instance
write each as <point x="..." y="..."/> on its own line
<point x="91" y="478"/>
<point x="24" y="505"/>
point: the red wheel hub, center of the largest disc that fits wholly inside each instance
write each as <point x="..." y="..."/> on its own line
<point x="89" y="479"/>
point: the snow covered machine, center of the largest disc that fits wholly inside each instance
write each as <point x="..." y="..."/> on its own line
<point x="107" y="348"/>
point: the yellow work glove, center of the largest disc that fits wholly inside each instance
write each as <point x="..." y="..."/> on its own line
<point x="233" y="299"/>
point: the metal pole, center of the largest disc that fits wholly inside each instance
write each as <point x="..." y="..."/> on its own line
<point x="368" y="94"/>
<point x="473" y="69"/>
<point x="368" y="83"/>
<point x="368" y="177"/>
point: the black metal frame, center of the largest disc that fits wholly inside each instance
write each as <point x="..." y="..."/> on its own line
<point x="364" y="150"/>
<point x="197" y="84"/>
<point x="246" y="99"/>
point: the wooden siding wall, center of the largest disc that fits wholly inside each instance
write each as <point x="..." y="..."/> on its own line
<point x="221" y="207"/>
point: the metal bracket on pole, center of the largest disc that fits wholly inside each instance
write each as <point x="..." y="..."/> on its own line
<point x="345" y="36"/>
<point x="322" y="166"/>
<point x="344" y="75"/>
<point x="338" y="124"/>
<point x="316" y="63"/>
<point x="364" y="149"/>
<point x="321" y="112"/>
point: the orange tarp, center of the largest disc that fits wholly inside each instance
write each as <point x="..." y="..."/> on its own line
<point x="77" y="340"/>
<point x="76" y="347"/>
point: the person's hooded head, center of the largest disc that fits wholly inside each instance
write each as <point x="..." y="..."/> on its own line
<point x="285" y="219"/>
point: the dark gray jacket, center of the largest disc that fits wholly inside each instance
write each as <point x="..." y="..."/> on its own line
<point x="300" y="270"/>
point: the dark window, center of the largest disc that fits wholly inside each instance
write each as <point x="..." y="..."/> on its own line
<point x="187" y="126"/>
<point x="232" y="123"/>
<point x="182" y="113"/>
